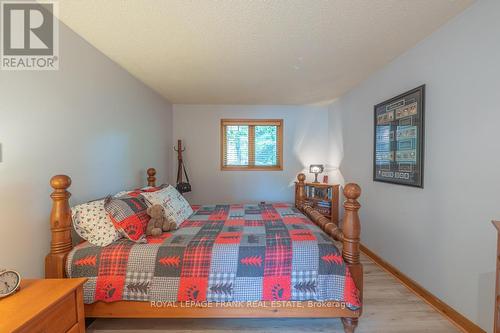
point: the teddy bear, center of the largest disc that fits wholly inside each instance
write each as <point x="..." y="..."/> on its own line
<point x="159" y="222"/>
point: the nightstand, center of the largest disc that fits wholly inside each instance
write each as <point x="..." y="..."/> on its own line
<point x="44" y="305"/>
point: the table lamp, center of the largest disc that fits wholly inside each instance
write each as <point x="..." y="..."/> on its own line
<point x="316" y="169"/>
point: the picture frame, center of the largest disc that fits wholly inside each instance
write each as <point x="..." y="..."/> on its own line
<point x="398" y="143"/>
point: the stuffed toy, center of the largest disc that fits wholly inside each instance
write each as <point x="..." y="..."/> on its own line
<point x="159" y="222"/>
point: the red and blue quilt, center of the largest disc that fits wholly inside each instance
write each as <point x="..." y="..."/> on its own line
<point x="222" y="253"/>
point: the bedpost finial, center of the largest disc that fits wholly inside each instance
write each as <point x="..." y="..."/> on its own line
<point x="352" y="191"/>
<point x="151" y="176"/>
<point x="60" y="182"/>
<point x="301" y="177"/>
<point x="151" y="172"/>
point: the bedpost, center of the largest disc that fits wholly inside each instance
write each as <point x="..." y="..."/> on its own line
<point x="300" y="190"/>
<point x="60" y="228"/>
<point x="151" y="177"/>
<point x="351" y="229"/>
<point x="351" y="226"/>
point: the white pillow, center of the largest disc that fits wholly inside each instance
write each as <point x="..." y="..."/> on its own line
<point x="92" y="223"/>
<point x="172" y="201"/>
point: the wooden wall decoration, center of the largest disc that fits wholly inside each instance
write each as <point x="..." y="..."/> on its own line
<point x="398" y="147"/>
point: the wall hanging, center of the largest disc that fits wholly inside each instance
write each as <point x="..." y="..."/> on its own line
<point x="398" y="155"/>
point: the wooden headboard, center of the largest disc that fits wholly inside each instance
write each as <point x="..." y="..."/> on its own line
<point x="60" y="224"/>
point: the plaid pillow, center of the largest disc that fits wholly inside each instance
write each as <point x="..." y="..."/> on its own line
<point x="129" y="216"/>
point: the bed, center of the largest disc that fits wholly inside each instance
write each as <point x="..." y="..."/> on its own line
<point x="248" y="260"/>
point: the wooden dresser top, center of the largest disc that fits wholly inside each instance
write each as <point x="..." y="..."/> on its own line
<point x="34" y="297"/>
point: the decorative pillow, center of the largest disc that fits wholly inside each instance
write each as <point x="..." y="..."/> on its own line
<point x="91" y="223"/>
<point x="139" y="191"/>
<point x="176" y="207"/>
<point x="129" y="216"/>
<point x="121" y="194"/>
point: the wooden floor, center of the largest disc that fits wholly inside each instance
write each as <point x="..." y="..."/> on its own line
<point x="389" y="307"/>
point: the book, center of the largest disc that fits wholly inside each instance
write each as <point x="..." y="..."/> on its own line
<point x="323" y="198"/>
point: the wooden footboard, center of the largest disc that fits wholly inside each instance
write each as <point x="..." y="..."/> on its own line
<point x="348" y="234"/>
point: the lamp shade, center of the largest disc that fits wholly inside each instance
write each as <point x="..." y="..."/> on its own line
<point x="316" y="168"/>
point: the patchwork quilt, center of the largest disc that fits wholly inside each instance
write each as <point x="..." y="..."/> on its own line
<point x="222" y="253"/>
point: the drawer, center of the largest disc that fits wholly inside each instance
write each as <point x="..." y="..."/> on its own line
<point x="57" y="319"/>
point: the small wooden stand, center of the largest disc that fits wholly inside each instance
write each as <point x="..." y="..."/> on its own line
<point x="315" y="202"/>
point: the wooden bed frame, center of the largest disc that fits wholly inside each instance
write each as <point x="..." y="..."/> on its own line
<point x="61" y="244"/>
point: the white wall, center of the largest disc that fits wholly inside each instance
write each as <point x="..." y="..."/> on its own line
<point x="90" y="120"/>
<point x="441" y="235"/>
<point x="305" y="141"/>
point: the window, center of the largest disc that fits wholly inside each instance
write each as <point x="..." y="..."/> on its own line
<point x="251" y="144"/>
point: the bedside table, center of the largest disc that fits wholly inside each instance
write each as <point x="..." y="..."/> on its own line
<point x="44" y="305"/>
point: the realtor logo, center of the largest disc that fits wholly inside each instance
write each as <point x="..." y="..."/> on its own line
<point x="29" y="35"/>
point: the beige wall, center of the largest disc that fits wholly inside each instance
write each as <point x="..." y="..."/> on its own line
<point x="90" y="120"/>
<point x="440" y="236"/>
<point x="305" y="142"/>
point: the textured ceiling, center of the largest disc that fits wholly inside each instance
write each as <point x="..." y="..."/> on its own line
<point x="254" y="52"/>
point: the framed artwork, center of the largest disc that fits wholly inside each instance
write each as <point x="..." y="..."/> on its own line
<point x="398" y="155"/>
